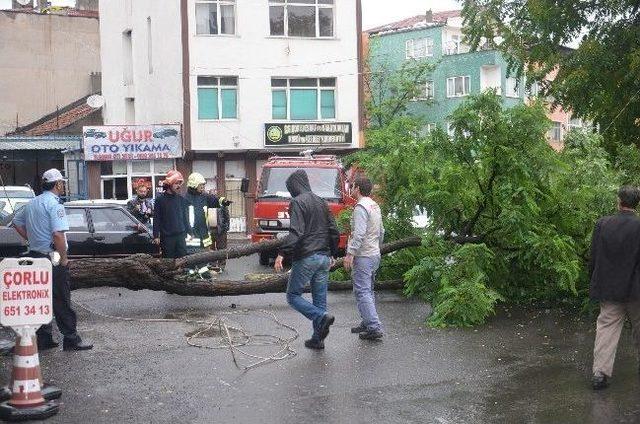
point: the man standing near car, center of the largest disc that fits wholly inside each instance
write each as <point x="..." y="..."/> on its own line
<point x="141" y="205"/>
<point x="615" y="281"/>
<point x="171" y="221"/>
<point x="312" y="242"/>
<point x="43" y="223"/>
<point x="363" y="257"/>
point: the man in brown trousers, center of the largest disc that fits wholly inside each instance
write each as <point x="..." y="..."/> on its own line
<point x="615" y="281"/>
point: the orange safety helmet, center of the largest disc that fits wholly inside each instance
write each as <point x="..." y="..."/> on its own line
<point x="173" y="177"/>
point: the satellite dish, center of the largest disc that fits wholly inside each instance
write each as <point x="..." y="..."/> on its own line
<point x="25" y="2"/>
<point x="95" y="101"/>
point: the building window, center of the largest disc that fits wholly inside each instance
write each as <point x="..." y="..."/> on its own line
<point x="426" y="91"/>
<point x="303" y="98"/>
<point x="216" y="17"/>
<point x="458" y="86"/>
<point x="430" y="127"/>
<point x="117" y="177"/>
<point x="418" y="48"/>
<point x="575" y="123"/>
<point x="453" y="45"/>
<point x="450" y="129"/>
<point x="555" y="133"/>
<point x="301" y="18"/>
<point x="534" y="89"/>
<point x="217" y="97"/>
<point x="513" y="88"/>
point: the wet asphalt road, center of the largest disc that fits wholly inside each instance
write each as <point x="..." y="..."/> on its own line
<point x="528" y="366"/>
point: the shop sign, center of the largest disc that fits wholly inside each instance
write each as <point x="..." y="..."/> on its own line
<point x="132" y="142"/>
<point x="307" y="134"/>
<point x="25" y="290"/>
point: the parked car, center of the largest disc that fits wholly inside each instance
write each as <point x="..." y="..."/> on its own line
<point x="96" y="229"/>
<point x="13" y="198"/>
<point x="92" y="133"/>
<point x="167" y="132"/>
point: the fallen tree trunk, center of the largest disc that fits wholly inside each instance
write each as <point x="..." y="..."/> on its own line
<point x="139" y="272"/>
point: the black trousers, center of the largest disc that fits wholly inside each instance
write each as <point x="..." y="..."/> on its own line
<point x="173" y="246"/>
<point x="220" y="243"/>
<point x="64" y="315"/>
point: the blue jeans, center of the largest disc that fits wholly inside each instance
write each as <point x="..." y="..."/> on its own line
<point x="363" y="275"/>
<point x="312" y="270"/>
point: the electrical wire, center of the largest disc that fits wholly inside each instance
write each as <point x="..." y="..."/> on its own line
<point x="236" y="343"/>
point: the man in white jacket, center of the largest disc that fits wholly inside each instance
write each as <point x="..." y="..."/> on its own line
<point x="363" y="257"/>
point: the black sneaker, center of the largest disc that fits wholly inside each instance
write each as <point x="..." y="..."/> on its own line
<point x="359" y="329"/>
<point x="599" y="382"/>
<point x="326" y="322"/>
<point x="77" y="344"/>
<point x="371" y="335"/>
<point x="314" y="344"/>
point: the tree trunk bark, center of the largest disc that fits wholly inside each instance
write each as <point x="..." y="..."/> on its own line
<point x="139" y="272"/>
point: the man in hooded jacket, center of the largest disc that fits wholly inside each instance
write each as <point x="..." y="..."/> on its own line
<point x="311" y="243"/>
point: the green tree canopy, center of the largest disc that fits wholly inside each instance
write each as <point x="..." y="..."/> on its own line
<point x="511" y="218"/>
<point x="599" y="81"/>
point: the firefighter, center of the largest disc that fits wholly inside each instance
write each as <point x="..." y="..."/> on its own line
<point x="206" y="213"/>
<point x="170" y="222"/>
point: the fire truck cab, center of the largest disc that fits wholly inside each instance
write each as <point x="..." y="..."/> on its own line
<point x="327" y="178"/>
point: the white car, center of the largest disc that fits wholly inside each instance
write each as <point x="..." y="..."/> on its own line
<point x="13" y="198"/>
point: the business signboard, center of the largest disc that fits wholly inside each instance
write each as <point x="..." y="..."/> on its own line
<point x="132" y="142"/>
<point x="25" y="290"/>
<point x="307" y="134"/>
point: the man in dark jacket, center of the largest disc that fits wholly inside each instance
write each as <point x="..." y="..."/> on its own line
<point x="311" y="243"/>
<point x="141" y="205"/>
<point x="615" y="281"/>
<point x="171" y="221"/>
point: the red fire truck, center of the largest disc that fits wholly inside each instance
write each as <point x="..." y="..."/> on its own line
<point x="327" y="177"/>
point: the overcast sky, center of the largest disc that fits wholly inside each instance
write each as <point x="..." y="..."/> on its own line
<point x="379" y="12"/>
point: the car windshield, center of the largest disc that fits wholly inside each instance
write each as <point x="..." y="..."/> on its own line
<point x="16" y="194"/>
<point x="325" y="182"/>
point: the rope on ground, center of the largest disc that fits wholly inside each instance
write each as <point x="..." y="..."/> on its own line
<point x="233" y="343"/>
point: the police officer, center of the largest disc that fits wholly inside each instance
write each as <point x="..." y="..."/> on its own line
<point x="43" y="223"/>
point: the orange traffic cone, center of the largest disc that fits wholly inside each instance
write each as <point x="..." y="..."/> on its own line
<point x="27" y="402"/>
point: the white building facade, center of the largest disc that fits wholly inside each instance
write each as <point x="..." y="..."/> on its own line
<point x="246" y="79"/>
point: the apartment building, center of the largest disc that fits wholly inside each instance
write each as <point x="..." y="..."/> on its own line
<point x="459" y="72"/>
<point x="243" y="80"/>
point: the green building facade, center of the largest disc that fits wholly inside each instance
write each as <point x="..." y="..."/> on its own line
<point x="458" y="71"/>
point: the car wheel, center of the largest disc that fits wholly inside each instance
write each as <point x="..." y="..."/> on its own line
<point x="265" y="258"/>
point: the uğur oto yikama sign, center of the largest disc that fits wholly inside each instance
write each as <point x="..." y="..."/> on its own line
<point x="26" y="292"/>
<point x="132" y="142"/>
